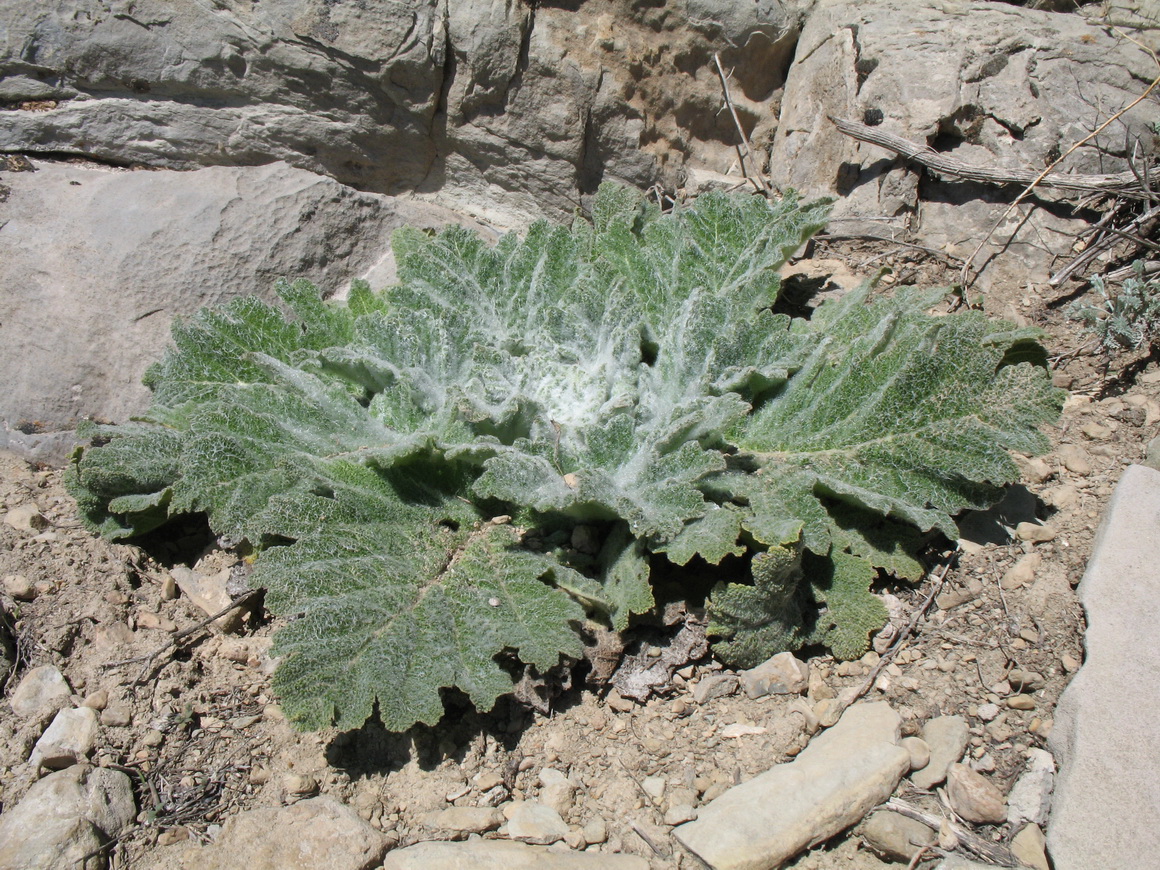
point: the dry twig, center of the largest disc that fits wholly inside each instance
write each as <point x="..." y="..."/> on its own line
<point x="907" y="632"/>
<point x="965" y="277"/>
<point x="985" y="849"/>
<point x="174" y="641"/>
<point x="1122" y="183"/>
<point x="744" y="149"/>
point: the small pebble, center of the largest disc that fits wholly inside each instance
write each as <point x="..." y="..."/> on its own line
<point x="19" y="587"/>
<point x="1035" y="533"/>
<point x="974" y="797"/>
<point x="1021" y="702"/>
<point x="1075" y="459"/>
<point x="116" y="716"/>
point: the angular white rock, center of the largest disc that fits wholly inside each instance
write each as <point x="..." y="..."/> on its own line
<point x="315" y="833"/>
<point x="831" y="785"/>
<point x="69" y="739"/>
<point x="784" y="674"/>
<point x="532" y="822"/>
<point x="41" y="693"/>
<point x="1030" y="797"/>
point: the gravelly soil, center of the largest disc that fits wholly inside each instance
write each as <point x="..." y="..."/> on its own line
<point x="203" y="736"/>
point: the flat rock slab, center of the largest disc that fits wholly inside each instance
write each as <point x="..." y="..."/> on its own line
<point x="503" y="855"/>
<point x="832" y="784"/>
<point x="1106" y="810"/>
<point x="95" y="264"/>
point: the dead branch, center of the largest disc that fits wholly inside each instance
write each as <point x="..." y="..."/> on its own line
<point x="744" y="149"/>
<point x="905" y="634"/>
<point x="1137" y="227"/>
<point x="1122" y="183"/>
<point x="985" y="849"/>
<point x="176" y="639"/>
<point x="965" y="277"/>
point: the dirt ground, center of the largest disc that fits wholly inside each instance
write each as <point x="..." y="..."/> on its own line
<point x="201" y="733"/>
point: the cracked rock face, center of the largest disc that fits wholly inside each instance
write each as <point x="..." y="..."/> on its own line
<point x="512" y="109"/>
<point x="985" y="83"/>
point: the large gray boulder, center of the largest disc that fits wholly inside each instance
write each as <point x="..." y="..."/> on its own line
<point x="1106" y="807"/>
<point x="512" y="108"/>
<point x="65" y="819"/>
<point x="986" y="83"/>
<point x="96" y="263"/>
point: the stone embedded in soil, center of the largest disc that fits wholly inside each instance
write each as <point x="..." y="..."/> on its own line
<point x="1035" y="533"/>
<point x="946" y="736"/>
<point x="40" y="694"/>
<point x="1029" y="848"/>
<point x="1022" y="572"/>
<point x="831" y="785"/>
<point x="974" y="797"/>
<point x="503" y="855"/>
<point x="918" y="750"/>
<point x="64" y="817"/>
<point x="69" y="739"/>
<point x="533" y="822"/>
<point x="596" y="830"/>
<point x="894" y="836"/>
<point x="26" y="518"/>
<point x="209" y="594"/>
<point x="556" y="790"/>
<point x="464" y="820"/>
<point x="713" y="686"/>
<point x="1030" y="797"/>
<point x="315" y="833"/>
<point x="784" y="674"/>
<point x="19" y="587"/>
<point x="1075" y="459"/>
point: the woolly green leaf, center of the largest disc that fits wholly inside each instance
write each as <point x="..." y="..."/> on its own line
<point x="757" y="621"/>
<point x="398" y="599"/>
<point x="624" y="572"/>
<point x="851" y="613"/>
<point x="902" y="413"/>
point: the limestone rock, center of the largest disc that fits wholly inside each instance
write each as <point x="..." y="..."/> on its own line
<point x="784" y="674"/>
<point x="40" y="693"/>
<point x="1030" y="797"/>
<point x="465" y="820"/>
<point x="85" y="315"/>
<point x="918" y="750"/>
<point x="831" y="785"/>
<point x="946" y="737"/>
<point x="519" y="108"/>
<point x="556" y="791"/>
<point x="1098" y="739"/>
<point x="69" y="739"/>
<point x="503" y="855"/>
<point x="713" y="686"/>
<point x="894" y="836"/>
<point x="1022" y="572"/>
<point x="1029" y="848"/>
<point x="210" y="595"/>
<point x="974" y="797"/>
<point x="533" y="822"/>
<point x="64" y="817"/>
<point x="314" y="833"/>
<point x="953" y="75"/>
